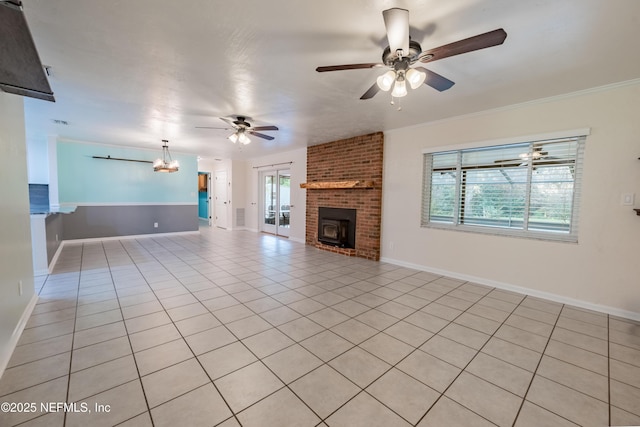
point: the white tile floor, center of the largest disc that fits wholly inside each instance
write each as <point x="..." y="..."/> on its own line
<point x="237" y="328"/>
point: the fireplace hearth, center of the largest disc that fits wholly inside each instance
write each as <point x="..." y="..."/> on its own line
<point x="337" y="227"/>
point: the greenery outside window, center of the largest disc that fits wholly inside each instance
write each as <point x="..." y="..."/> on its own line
<point x="528" y="189"/>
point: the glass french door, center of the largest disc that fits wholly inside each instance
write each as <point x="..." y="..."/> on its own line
<point x="276" y="202"/>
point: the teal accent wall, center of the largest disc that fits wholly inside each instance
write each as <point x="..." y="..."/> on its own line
<point x="84" y="180"/>
<point x="202" y="205"/>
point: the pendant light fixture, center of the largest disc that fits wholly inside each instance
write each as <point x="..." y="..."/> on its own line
<point x="166" y="163"/>
<point x="239" y="136"/>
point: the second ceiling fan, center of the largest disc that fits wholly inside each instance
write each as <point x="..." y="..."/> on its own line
<point x="241" y="127"/>
<point x="402" y="53"/>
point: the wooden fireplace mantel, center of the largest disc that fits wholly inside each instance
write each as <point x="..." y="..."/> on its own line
<point x="326" y="185"/>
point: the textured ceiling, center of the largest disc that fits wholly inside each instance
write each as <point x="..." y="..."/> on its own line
<point x="136" y="72"/>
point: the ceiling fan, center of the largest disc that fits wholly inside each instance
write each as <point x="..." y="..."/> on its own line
<point x="402" y="53"/>
<point x="241" y="127"/>
<point x="538" y="156"/>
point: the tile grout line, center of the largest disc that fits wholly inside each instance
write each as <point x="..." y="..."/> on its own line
<point x="181" y="336"/>
<point x="362" y="389"/>
<point x="471" y="360"/>
<point x="73" y="336"/>
<point x="135" y="361"/>
<point x="351" y="298"/>
<point x="259" y="359"/>
<point x="187" y="250"/>
<point x="410" y="353"/>
<point x="524" y="399"/>
<point x="285" y="384"/>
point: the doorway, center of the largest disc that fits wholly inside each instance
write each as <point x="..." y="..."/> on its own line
<point x="204" y="196"/>
<point x="276" y="202"/>
<point x="221" y="199"/>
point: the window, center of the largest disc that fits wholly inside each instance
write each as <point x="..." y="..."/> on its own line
<point x="523" y="189"/>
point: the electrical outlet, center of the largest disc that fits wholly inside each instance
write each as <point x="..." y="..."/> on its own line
<point x="155" y="225"/>
<point x="628" y="199"/>
<point x="57" y="238"/>
<point x="20" y="287"/>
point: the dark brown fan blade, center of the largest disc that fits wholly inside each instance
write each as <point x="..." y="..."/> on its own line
<point x="260" y="135"/>
<point x="481" y="41"/>
<point x="264" y="128"/>
<point x="435" y="80"/>
<point x="371" y="92"/>
<point x="348" y="67"/>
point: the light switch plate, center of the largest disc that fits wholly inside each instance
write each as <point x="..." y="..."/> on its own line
<point x="628" y="199"/>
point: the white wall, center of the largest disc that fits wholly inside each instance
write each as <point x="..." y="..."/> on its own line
<point x="15" y="234"/>
<point x="238" y="191"/>
<point x="600" y="271"/>
<point x="38" y="160"/>
<point x="298" y="195"/>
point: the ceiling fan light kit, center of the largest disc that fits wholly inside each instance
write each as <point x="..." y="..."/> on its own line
<point x="400" y="87"/>
<point x="239" y="136"/>
<point x="386" y="80"/>
<point x="416" y="78"/>
<point x="402" y="53"/>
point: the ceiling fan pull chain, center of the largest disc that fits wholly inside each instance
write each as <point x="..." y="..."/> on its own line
<point x="393" y="102"/>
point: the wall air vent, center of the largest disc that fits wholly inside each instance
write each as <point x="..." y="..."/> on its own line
<point x="60" y="122"/>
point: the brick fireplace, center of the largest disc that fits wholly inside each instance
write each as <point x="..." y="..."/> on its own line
<point x="354" y="166"/>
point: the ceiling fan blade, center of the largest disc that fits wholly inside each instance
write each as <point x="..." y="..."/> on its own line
<point x="435" y="80"/>
<point x="209" y="127"/>
<point x="371" y="92"/>
<point x="264" y="128"/>
<point x="481" y="41"/>
<point x="227" y="121"/>
<point x="260" y="135"/>
<point x="396" y="21"/>
<point x="348" y="67"/>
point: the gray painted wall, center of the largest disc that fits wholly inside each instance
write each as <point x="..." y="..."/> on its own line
<point x="127" y="220"/>
<point x="53" y="227"/>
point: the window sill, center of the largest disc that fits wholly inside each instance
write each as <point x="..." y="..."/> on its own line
<point x="501" y="232"/>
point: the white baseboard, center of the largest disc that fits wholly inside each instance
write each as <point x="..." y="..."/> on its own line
<point x="133" y="236"/>
<point x="55" y="257"/>
<point x="17" y="332"/>
<point x="519" y="289"/>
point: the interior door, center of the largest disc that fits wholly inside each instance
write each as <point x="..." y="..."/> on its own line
<point x="209" y="200"/>
<point x="221" y="199"/>
<point x="204" y="196"/>
<point x="276" y="202"/>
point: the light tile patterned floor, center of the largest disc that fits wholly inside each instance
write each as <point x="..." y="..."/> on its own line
<point x="238" y="328"/>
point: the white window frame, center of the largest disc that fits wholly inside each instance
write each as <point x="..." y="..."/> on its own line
<point x="571" y="236"/>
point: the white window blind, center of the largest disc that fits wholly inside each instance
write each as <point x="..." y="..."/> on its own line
<point x="525" y="189"/>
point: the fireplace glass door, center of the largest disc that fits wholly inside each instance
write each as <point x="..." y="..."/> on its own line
<point x="276" y="202"/>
